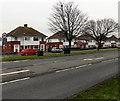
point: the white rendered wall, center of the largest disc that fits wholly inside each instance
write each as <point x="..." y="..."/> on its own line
<point x="92" y="43"/>
<point x="53" y="40"/>
<point x="25" y="42"/>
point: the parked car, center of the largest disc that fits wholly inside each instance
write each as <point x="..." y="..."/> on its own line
<point x="56" y="50"/>
<point x="27" y="52"/>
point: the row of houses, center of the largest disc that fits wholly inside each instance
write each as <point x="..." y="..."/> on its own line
<point x="24" y="37"/>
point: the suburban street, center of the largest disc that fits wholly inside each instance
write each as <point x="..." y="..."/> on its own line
<point x="57" y="77"/>
<point x="31" y="68"/>
<point x="62" y="83"/>
<point x="58" y="49"/>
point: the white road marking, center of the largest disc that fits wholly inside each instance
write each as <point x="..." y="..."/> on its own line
<point x="70" y="69"/>
<point x="6" y="62"/>
<point x="16" y="61"/>
<point x="24" y="60"/>
<point x="99" y="58"/>
<point x="87" y="59"/>
<point x="14" y="72"/>
<point x="64" y="70"/>
<point x="81" y="66"/>
<point x="15" y="81"/>
<point x="89" y="64"/>
<point x="109" y="60"/>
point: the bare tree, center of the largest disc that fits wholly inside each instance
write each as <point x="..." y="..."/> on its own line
<point x="99" y="29"/>
<point x="68" y="18"/>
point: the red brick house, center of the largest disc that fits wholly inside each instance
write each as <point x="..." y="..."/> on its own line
<point x="24" y="37"/>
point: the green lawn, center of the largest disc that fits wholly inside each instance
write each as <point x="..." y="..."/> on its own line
<point x="107" y="90"/>
<point x="14" y="58"/>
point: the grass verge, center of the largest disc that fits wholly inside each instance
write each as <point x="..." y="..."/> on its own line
<point x="15" y="58"/>
<point x="108" y="90"/>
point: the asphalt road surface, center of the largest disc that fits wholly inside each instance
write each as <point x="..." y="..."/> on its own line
<point x="25" y="63"/>
<point x="62" y="83"/>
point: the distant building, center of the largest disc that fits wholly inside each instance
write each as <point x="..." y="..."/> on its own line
<point x="87" y="41"/>
<point x="59" y="40"/>
<point x="112" y="41"/>
<point x="24" y="37"/>
<point x="84" y="41"/>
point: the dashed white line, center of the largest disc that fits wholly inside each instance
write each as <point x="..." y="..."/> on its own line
<point x="109" y="60"/>
<point x="89" y="64"/>
<point x="99" y="58"/>
<point x="16" y="61"/>
<point x="64" y="70"/>
<point x="24" y="60"/>
<point x="6" y="62"/>
<point x="70" y="68"/>
<point x="87" y="59"/>
<point x="14" y="72"/>
<point x="81" y="66"/>
<point x="15" y="81"/>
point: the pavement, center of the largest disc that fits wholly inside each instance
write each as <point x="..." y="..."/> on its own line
<point x="52" y="65"/>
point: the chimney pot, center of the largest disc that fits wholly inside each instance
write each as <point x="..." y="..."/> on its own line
<point x="25" y="25"/>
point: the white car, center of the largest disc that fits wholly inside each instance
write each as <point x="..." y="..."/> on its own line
<point x="56" y="50"/>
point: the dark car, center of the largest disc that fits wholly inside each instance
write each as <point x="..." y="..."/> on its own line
<point x="27" y="52"/>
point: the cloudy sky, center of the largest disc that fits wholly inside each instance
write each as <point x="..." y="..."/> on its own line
<point x="35" y="13"/>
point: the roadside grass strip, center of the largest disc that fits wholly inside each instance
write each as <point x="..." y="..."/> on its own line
<point x="16" y="58"/>
<point x="107" y="90"/>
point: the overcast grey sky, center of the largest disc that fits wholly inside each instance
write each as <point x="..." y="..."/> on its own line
<point x="35" y="13"/>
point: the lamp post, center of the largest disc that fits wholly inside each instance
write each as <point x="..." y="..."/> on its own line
<point x="23" y="40"/>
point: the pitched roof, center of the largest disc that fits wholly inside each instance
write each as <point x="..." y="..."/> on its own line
<point x="25" y="31"/>
<point x="85" y="37"/>
<point x="57" y="35"/>
<point x="112" y="38"/>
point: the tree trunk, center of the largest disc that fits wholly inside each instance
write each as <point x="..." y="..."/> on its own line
<point x="69" y="44"/>
<point x="99" y="46"/>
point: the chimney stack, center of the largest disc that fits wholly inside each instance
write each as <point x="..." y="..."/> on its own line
<point x="25" y="25"/>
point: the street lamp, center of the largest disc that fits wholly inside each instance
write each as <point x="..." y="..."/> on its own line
<point x="23" y="40"/>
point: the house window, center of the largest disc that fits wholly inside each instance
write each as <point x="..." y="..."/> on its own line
<point x="60" y="40"/>
<point x="26" y="47"/>
<point x="35" y="46"/>
<point x="89" y="40"/>
<point x="27" y="38"/>
<point x="42" y="39"/>
<point x="15" y="38"/>
<point x="35" y="38"/>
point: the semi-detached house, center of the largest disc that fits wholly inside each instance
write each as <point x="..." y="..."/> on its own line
<point x="112" y="41"/>
<point x="24" y="37"/>
<point x="59" y="40"/>
<point x="83" y="41"/>
<point x="89" y="42"/>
